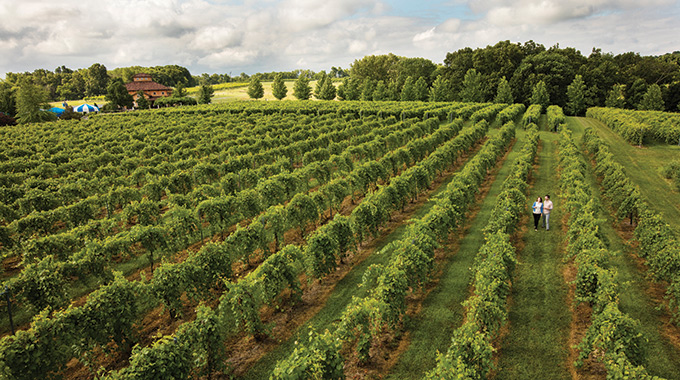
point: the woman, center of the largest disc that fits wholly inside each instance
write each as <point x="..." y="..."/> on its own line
<point x="538" y="210"/>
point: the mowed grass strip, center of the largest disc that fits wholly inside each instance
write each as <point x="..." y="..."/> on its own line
<point x="343" y="291"/>
<point x="442" y="310"/>
<point x="663" y="357"/>
<point x="642" y="166"/>
<point x="536" y="346"/>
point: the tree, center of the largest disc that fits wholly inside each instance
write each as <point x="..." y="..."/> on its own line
<point x="142" y="101"/>
<point x="380" y="93"/>
<point x="328" y="90"/>
<point x="375" y="67"/>
<point x="348" y="89"/>
<point x="616" y="97"/>
<point x="118" y="95"/>
<point x="7" y="99"/>
<point x="367" y="90"/>
<point x="352" y="91"/>
<point x="540" y="96"/>
<point x="576" y="93"/>
<point x="205" y="94"/>
<point x="325" y="90"/>
<point x="635" y="92"/>
<point x="504" y="93"/>
<point x="652" y="100"/>
<point x="389" y="68"/>
<point x="321" y="80"/>
<point x="472" y="87"/>
<point x="301" y="89"/>
<point x="340" y="91"/>
<point x="416" y="68"/>
<point x="420" y="89"/>
<point x="279" y="88"/>
<point x="441" y="90"/>
<point x="255" y="89"/>
<point x="31" y="101"/>
<point x="408" y="91"/>
<point x="96" y="80"/>
<point x="338" y="72"/>
<point x="393" y="91"/>
<point x="180" y="91"/>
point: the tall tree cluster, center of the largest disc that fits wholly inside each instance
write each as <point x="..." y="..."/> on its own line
<point x="67" y="84"/>
<point x="620" y="80"/>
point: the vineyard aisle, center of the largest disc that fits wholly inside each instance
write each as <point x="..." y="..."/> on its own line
<point x="663" y="356"/>
<point x="536" y="346"/>
<point x="642" y="167"/>
<point x="442" y="311"/>
<point x="346" y="288"/>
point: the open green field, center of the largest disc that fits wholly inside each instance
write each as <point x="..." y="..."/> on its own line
<point x="241" y="93"/>
<point x="75" y="103"/>
<point x="203" y="237"/>
<point x="227" y="92"/>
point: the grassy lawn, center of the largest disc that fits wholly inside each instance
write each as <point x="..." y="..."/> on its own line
<point x="442" y="310"/>
<point x="75" y="103"/>
<point x="643" y="168"/>
<point x="663" y="358"/>
<point x="241" y="93"/>
<point x="536" y="346"/>
<point x="234" y="92"/>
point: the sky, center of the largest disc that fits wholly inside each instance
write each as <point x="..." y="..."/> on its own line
<point x="231" y="37"/>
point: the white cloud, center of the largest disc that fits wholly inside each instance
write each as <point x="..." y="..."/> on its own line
<point x="424" y="36"/>
<point x="216" y="38"/>
<point x="229" y="56"/>
<point x="251" y="36"/>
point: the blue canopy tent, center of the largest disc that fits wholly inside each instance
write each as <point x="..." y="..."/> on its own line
<point x="85" y="108"/>
<point x="56" y="110"/>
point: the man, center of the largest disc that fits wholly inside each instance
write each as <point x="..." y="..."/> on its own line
<point x="547" y="207"/>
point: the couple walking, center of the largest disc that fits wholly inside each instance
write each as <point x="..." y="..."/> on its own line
<point x="542" y="208"/>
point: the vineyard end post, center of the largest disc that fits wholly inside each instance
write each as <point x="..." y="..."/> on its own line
<point x="9" y="310"/>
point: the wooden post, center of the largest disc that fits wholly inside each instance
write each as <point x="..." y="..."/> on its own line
<point x="9" y="310"/>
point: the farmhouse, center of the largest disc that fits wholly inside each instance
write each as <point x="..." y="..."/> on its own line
<point x="151" y="89"/>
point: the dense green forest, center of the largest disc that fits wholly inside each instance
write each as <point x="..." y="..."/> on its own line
<point x="525" y="65"/>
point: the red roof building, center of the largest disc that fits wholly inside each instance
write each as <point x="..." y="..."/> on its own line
<point x="151" y="89"/>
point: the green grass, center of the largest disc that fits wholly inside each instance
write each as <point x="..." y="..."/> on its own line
<point x="241" y="93"/>
<point x="341" y="296"/>
<point x="442" y="310"/>
<point x="192" y="91"/>
<point x="225" y="92"/>
<point x="663" y="358"/>
<point x="539" y="319"/>
<point x="642" y="166"/>
<point x="75" y="103"/>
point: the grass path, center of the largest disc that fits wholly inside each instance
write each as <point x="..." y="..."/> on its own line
<point x="663" y="358"/>
<point x="642" y="167"/>
<point x="442" y="310"/>
<point x="536" y="346"/>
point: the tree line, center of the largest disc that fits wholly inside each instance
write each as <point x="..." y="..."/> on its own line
<point x="512" y="71"/>
<point x="64" y="83"/>
<point x="621" y="80"/>
<point x="507" y="72"/>
<point x="504" y="72"/>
